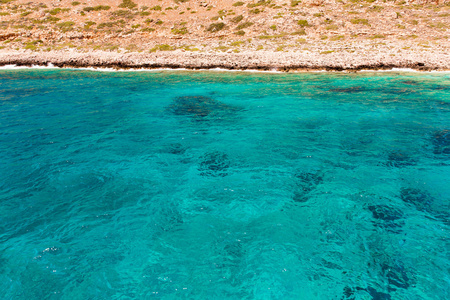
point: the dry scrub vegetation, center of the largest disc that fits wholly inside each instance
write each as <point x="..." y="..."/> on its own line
<point x="322" y="26"/>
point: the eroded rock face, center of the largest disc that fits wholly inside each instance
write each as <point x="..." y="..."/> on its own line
<point x="214" y="164"/>
<point x="441" y="142"/>
<point x="198" y="107"/>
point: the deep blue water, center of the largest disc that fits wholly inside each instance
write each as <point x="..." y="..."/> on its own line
<point x="191" y="185"/>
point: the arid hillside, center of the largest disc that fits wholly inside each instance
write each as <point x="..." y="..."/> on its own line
<point x="317" y="26"/>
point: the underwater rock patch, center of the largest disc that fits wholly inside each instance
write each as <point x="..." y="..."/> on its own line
<point x="386" y="217"/>
<point x="214" y="164"/>
<point x="385" y="213"/>
<point x="399" y="160"/>
<point x="420" y="199"/>
<point x="198" y="106"/>
<point x="397" y="277"/>
<point x="306" y="182"/>
<point x="354" y="89"/>
<point x="175" y="148"/>
<point x="410" y="82"/>
<point x="349" y="293"/>
<point x="441" y="142"/>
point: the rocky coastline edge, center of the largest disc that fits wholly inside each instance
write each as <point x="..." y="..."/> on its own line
<point x="250" y="60"/>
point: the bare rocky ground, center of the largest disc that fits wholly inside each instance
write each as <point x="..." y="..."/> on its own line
<point x="277" y="34"/>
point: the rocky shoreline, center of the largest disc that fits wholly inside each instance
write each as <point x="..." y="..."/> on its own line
<point x="248" y="60"/>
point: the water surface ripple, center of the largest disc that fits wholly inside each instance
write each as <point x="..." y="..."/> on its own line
<point x="191" y="185"/>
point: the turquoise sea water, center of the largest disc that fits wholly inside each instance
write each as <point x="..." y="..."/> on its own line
<point x="202" y="185"/>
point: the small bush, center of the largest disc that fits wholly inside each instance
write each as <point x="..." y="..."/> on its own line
<point x="244" y="25"/>
<point x="259" y="3"/>
<point x="299" y="32"/>
<point x="237" y="19"/>
<point x="182" y="30"/>
<point x="377" y="36"/>
<point x="144" y="13"/>
<point x="54" y="11"/>
<point x="240" y="32"/>
<point x="88" y="25"/>
<point x="156" y="8"/>
<point x="96" y="8"/>
<point x="106" y="24"/>
<point x="75" y="3"/>
<point x="214" y="27"/>
<point x="255" y="11"/>
<point x="163" y="47"/>
<point x="295" y="2"/>
<point x="273" y="27"/>
<point x="303" y="23"/>
<point x="122" y="14"/>
<point x="148" y="29"/>
<point x="127" y="4"/>
<point x="239" y="3"/>
<point x="337" y="38"/>
<point x="65" y="26"/>
<point x="236" y="43"/>
<point x="360" y="21"/>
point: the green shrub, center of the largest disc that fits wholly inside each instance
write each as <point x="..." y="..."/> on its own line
<point x="148" y="29"/>
<point x="54" y="11"/>
<point x="96" y="8"/>
<point x="237" y="19"/>
<point x="75" y="3"/>
<point x="163" y="47"/>
<point x="273" y="27"/>
<point x="65" y="26"/>
<point x="259" y="3"/>
<point x="244" y="25"/>
<point x="122" y="14"/>
<point x="127" y="4"/>
<point x="255" y="11"/>
<point x="337" y="38"/>
<point x="182" y="30"/>
<point x="377" y="36"/>
<point x="295" y="2"/>
<point x="106" y="24"/>
<point x="299" y="32"/>
<point x="303" y="23"/>
<point x="240" y="32"/>
<point x="360" y="21"/>
<point x="156" y="8"/>
<point x="239" y="3"/>
<point x="214" y="27"/>
<point x="144" y="13"/>
<point x="332" y="27"/>
<point x="88" y="24"/>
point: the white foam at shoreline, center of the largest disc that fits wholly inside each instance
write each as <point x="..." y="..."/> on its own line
<point x="273" y="71"/>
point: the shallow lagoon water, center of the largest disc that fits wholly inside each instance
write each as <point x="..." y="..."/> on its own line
<point x="201" y="185"/>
